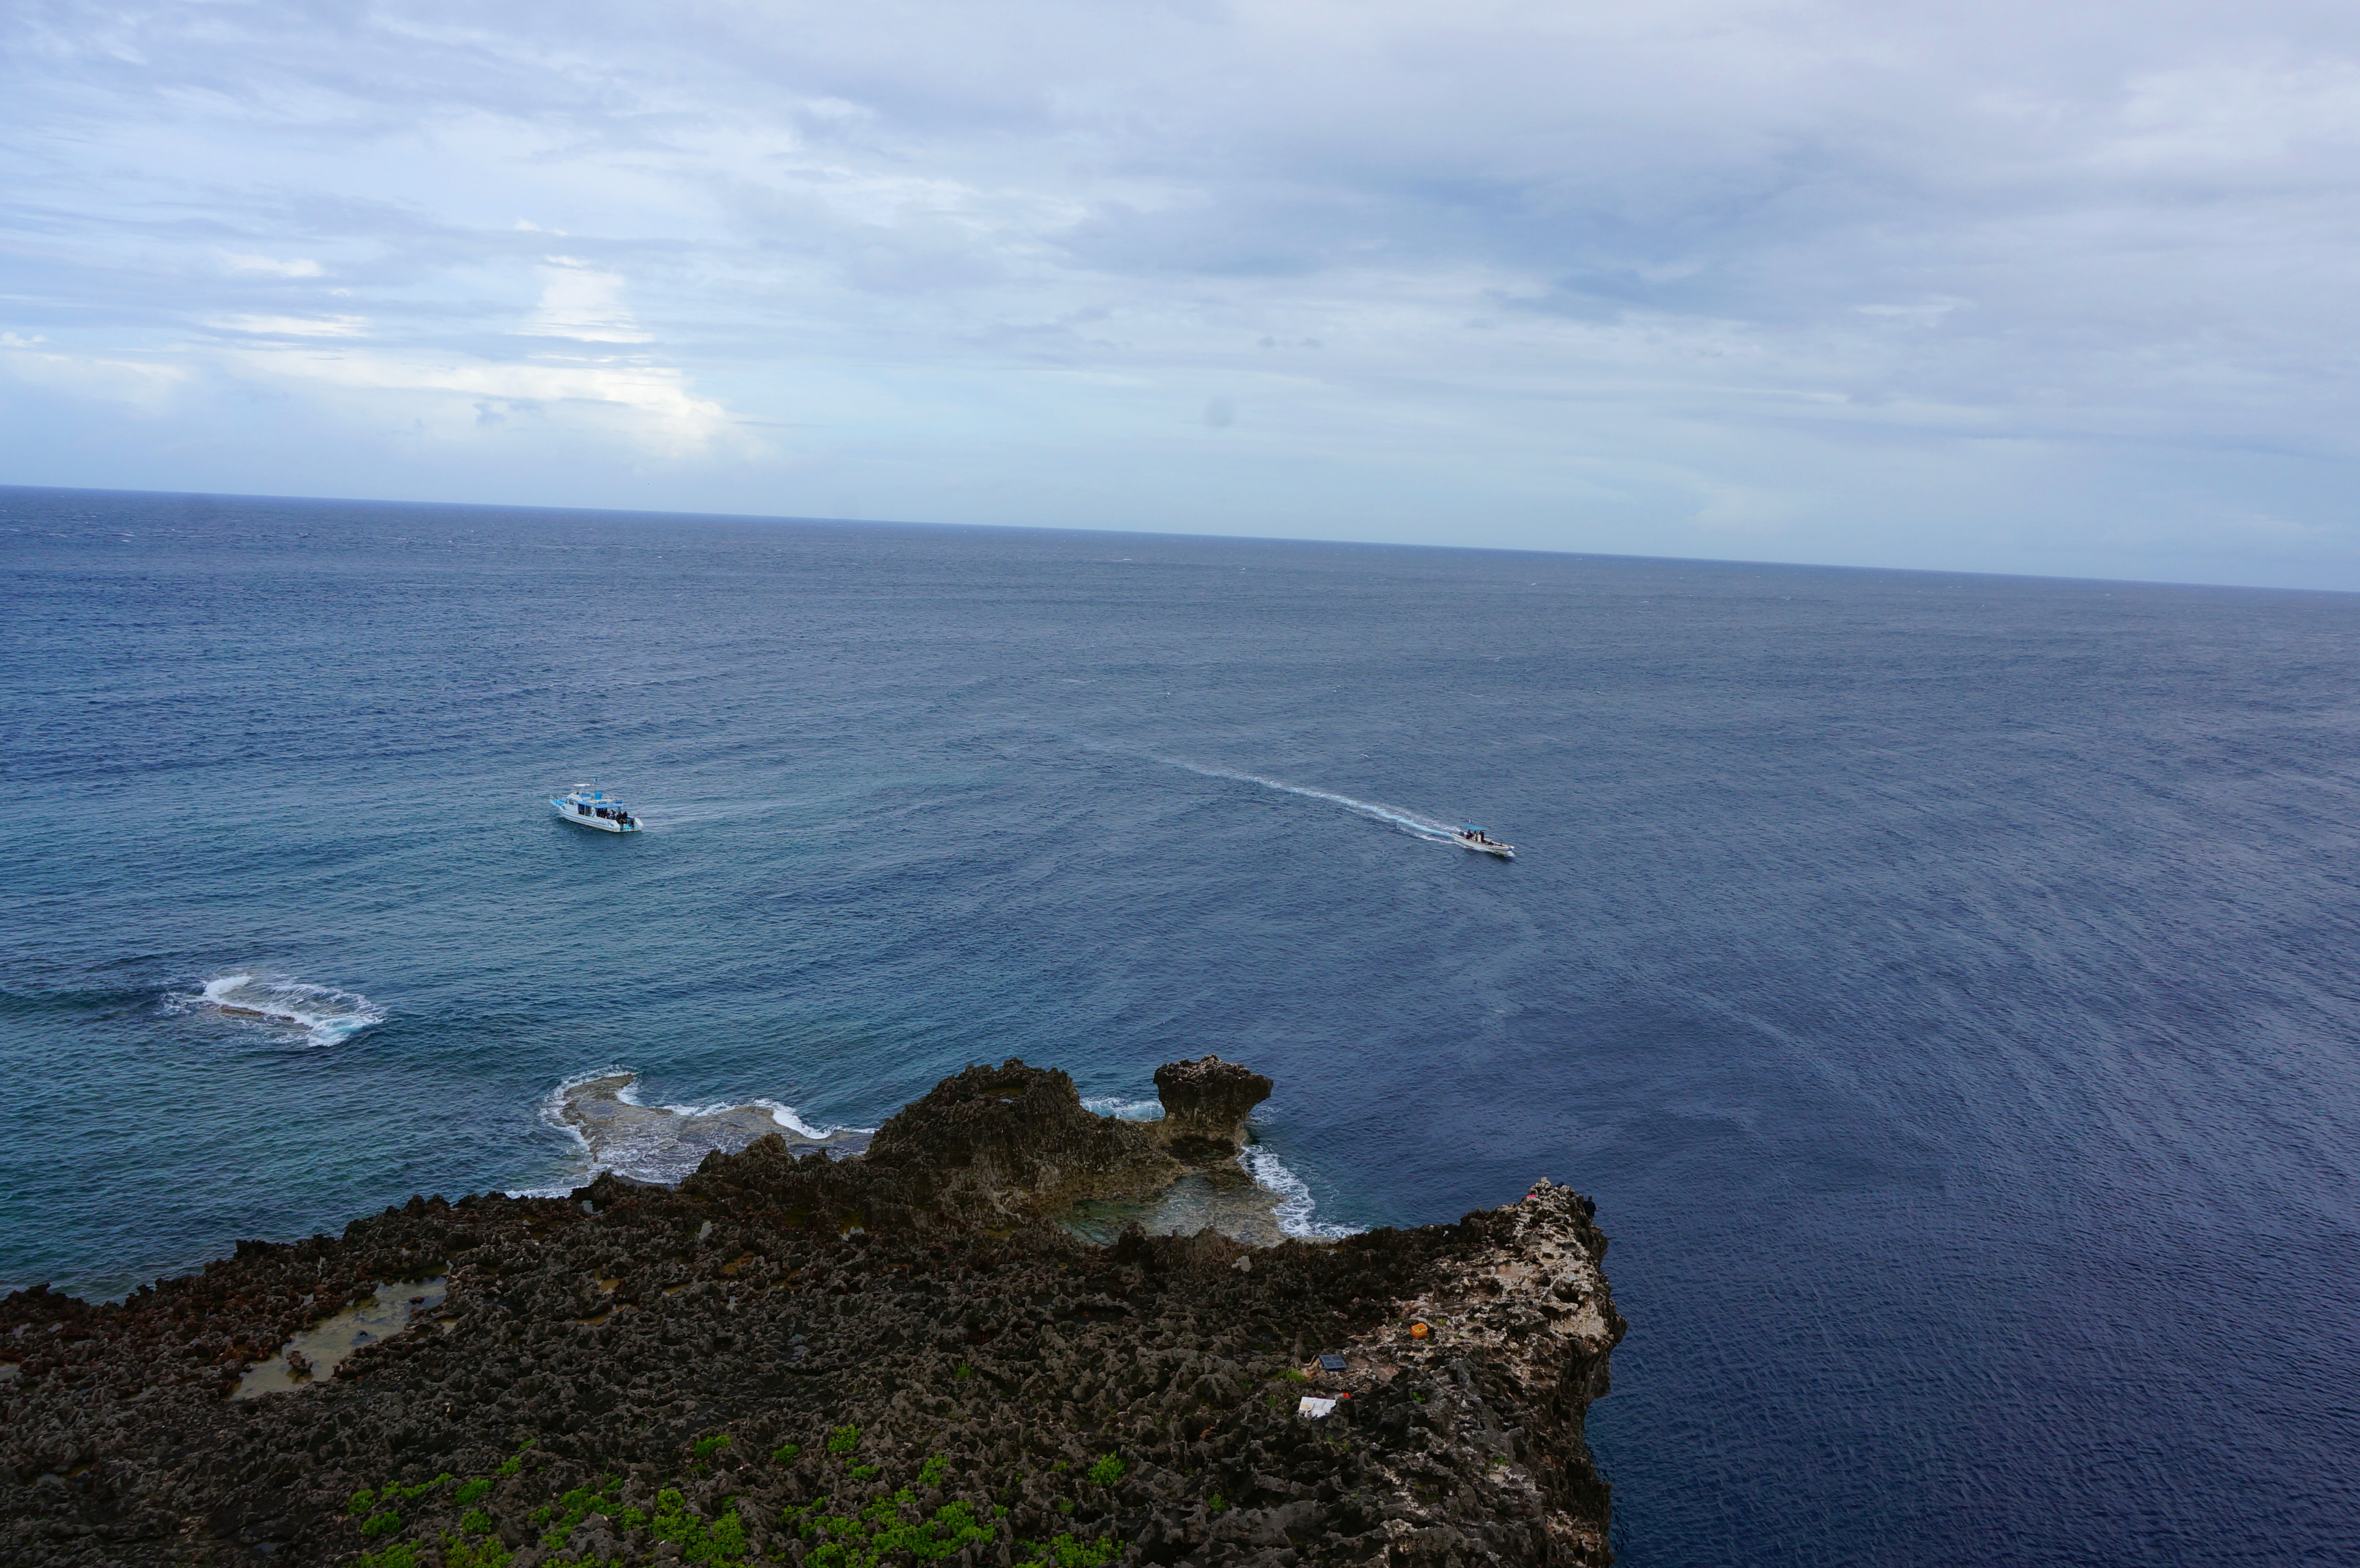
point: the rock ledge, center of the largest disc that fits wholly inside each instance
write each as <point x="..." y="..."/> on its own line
<point x="808" y="1360"/>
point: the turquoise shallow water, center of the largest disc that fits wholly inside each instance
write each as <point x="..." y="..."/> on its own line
<point x="1943" y="982"/>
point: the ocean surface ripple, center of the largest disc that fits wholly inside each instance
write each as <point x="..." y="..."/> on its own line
<point x="1943" y="984"/>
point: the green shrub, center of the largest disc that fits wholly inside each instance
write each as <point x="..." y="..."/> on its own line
<point x="460" y="1552"/>
<point x="515" y="1461"/>
<point x="866" y="1472"/>
<point x="1216" y="1504"/>
<point x="475" y="1521"/>
<point x="399" y="1555"/>
<point x="475" y="1491"/>
<point x="932" y="1472"/>
<point x="785" y="1453"/>
<point x="1068" y="1553"/>
<point x="880" y="1532"/>
<point x="1106" y="1471"/>
<point x="574" y="1508"/>
<point x="380" y="1524"/>
<point x="1291" y="1375"/>
<point x="844" y="1440"/>
<point x="706" y="1447"/>
<point x="719" y="1541"/>
<point x="390" y="1493"/>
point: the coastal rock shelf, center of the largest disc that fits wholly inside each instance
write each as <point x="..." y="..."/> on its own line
<point x="894" y="1359"/>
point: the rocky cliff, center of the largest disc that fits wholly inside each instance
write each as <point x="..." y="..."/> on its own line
<point x="837" y="1363"/>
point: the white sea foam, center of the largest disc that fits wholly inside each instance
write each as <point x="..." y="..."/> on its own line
<point x="1295" y="1204"/>
<point x="614" y="1129"/>
<point x="1126" y="1110"/>
<point x="1407" y="820"/>
<point x="319" y="1014"/>
<point x="786" y="1117"/>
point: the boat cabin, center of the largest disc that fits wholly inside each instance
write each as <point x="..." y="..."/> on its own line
<point x="593" y="807"/>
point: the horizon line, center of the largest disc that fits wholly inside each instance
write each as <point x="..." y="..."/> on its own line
<point x="771" y="518"/>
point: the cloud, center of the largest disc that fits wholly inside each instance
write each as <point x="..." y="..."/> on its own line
<point x="650" y="404"/>
<point x="143" y="386"/>
<point x="293" y="326"/>
<point x="299" y="266"/>
<point x="1855" y="281"/>
<point x="578" y="302"/>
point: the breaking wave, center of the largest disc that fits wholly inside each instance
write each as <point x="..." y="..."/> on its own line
<point x="1286" y="1195"/>
<point x="1295" y="1202"/>
<point x="1124" y="1110"/>
<point x="319" y="1014"/>
<point x="604" y="1116"/>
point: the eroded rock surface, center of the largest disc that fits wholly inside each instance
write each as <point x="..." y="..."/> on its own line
<point x="893" y="1344"/>
<point x="1015" y="1139"/>
<point x="1518" y="1331"/>
<point x="1206" y="1102"/>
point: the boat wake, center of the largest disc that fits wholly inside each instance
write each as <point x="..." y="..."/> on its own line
<point x="318" y="1014"/>
<point x="1408" y="822"/>
<point x="601" y="1112"/>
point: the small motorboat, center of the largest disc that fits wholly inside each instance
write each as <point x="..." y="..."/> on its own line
<point x="590" y="807"/>
<point x="1474" y="838"/>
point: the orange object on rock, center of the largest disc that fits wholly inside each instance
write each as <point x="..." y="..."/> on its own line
<point x="1419" y="1331"/>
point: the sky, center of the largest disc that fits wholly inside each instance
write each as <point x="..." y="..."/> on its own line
<point x="2059" y="288"/>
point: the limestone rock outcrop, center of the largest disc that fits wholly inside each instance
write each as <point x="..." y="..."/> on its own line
<point x="785" y="1355"/>
<point x="1016" y="1139"/>
<point x="1206" y="1102"/>
<point x="1518" y="1334"/>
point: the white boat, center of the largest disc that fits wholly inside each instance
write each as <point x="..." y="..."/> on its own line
<point x="1475" y="839"/>
<point x="589" y="806"/>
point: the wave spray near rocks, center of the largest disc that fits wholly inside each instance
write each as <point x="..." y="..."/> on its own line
<point x="602" y="1112"/>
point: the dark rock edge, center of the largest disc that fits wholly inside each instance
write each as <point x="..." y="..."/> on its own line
<point x="922" y="1295"/>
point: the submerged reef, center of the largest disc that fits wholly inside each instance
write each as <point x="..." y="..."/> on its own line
<point x="895" y="1359"/>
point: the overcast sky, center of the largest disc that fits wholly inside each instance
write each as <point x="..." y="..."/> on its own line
<point x="2056" y="287"/>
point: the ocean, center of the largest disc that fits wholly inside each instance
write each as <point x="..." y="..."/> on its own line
<point x="1944" y="985"/>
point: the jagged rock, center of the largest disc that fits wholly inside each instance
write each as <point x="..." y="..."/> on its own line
<point x="1206" y="1102"/>
<point x="978" y="1353"/>
<point x="607" y="1189"/>
<point x="1016" y="1139"/>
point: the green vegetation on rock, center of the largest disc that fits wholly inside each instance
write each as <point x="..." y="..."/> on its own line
<point x="1066" y="1551"/>
<point x="886" y="1528"/>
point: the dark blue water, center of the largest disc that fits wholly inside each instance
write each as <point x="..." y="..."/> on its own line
<point x="1945" y="985"/>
